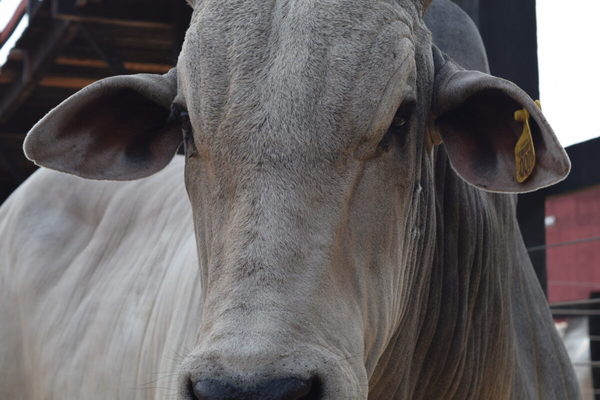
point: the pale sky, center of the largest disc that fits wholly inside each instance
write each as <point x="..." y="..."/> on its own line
<point x="7" y="9"/>
<point x="569" y="63"/>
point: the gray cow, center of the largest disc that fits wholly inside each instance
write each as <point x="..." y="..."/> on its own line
<point x="344" y="241"/>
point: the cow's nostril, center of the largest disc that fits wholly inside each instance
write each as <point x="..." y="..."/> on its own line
<point x="276" y="389"/>
<point x="288" y="389"/>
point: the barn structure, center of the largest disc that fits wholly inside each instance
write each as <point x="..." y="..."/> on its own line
<point x="66" y="45"/>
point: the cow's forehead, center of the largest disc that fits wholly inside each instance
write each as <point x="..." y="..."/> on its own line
<point x="346" y="11"/>
<point x="292" y="68"/>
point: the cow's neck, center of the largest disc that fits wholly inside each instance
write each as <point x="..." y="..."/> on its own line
<point x="455" y="343"/>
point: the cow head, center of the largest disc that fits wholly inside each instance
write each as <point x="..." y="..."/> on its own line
<point x="309" y="130"/>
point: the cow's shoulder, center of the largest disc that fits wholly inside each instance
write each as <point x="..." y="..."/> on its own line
<point x="65" y="243"/>
<point x="55" y="220"/>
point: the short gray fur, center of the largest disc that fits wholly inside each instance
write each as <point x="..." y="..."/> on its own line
<point x="455" y="33"/>
<point x="471" y="7"/>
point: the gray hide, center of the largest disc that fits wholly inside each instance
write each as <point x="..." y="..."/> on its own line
<point x="456" y="35"/>
<point x="341" y="172"/>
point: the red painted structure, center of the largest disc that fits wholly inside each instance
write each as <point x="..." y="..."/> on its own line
<point x="573" y="240"/>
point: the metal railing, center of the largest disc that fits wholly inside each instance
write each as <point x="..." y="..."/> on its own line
<point x="569" y="243"/>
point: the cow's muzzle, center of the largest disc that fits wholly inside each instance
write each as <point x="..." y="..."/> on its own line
<point x="253" y="371"/>
<point x="275" y="389"/>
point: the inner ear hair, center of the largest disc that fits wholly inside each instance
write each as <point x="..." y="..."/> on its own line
<point x="425" y="4"/>
<point x="432" y="137"/>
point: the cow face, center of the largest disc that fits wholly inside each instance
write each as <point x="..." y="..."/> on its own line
<point x="308" y="129"/>
<point x="302" y="193"/>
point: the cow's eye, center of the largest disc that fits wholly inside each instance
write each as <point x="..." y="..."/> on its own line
<point x="180" y="116"/>
<point x="399" y="127"/>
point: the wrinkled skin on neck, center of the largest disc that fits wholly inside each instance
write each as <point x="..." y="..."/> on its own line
<point x="310" y="233"/>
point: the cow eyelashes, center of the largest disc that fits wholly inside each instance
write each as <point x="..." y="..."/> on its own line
<point x="403" y="115"/>
<point x="399" y="121"/>
<point x="399" y="126"/>
<point x="180" y="116"/>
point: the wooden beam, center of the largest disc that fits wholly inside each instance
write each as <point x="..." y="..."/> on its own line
<point x="148" y="67"/>
<point x="150" y="14"/>
<point x="81" y="62"/>
<point x="130" y="66"/>
<point x="65" y="82"/>
<point x="59" y="34"/>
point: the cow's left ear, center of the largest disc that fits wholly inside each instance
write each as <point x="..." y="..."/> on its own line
<point x="113" y="129"/>
<point x="475" y="118"/>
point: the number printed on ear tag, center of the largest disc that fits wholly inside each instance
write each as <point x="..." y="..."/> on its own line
<point x="524" y="149"/>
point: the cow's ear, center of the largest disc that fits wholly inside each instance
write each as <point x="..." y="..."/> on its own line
<point x="475" y="118"/>
<point x="116" y="128"/>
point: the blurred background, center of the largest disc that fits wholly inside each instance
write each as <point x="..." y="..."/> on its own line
<point x="49" y="49"/>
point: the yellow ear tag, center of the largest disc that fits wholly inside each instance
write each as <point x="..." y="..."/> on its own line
<point x="524" y="149"/>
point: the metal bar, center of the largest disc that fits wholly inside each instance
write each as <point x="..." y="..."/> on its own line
<point x="112" y="60"/>
<point x="593" y="364"/>
<point x="575" y="284"/>
<point x="582" y="313"/>
<point x="575" y="303"/>
<point x="573" y="242"/>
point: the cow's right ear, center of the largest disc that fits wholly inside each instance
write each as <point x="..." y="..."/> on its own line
<point x="116" y="129"/>
<point x="475" y="117"/>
